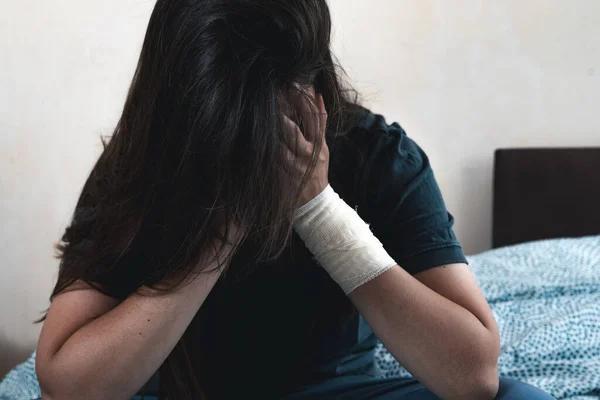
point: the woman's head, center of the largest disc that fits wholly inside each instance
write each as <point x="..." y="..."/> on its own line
<point x="199" y="142"/>
<point x="222" y="72"/>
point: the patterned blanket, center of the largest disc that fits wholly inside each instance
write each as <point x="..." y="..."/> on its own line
<point x="546" y="298"/>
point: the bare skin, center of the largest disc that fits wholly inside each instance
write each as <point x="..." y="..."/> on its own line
<point x="93" y="347"/>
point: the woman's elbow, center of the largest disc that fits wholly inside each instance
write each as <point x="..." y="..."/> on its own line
<point x="53" y="385"/>
<point x="477" y="378"/>
<point x="479" y="385"/>
<point x="42" y="372"/>
<point x="47" y="383"/>
<point x="487" y="375"/>
<point x="487" y="385"/>
<point x="46" y="396"/>
<point x="483" y="376"/>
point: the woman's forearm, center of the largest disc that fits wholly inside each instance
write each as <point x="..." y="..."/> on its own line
<point x="115" y="354"/>
<point x="443" y="344"/>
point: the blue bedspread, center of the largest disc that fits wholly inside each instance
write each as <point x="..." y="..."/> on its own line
<point x="546" y="298"/>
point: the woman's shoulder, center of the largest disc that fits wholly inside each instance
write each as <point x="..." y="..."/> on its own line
<point x="367" y="139"/>
<point x="362" y="123"/>
<point x="370" y="156"/>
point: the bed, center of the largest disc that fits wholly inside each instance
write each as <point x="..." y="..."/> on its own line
<point x="542" y="279"/>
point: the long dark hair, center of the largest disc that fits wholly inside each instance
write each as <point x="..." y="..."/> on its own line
<point x="199" y="146"/>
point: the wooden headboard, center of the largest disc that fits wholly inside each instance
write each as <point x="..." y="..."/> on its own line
<point x="545" y="193"/>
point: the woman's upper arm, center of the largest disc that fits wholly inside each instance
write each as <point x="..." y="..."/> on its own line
<point x="411" y="220"/>
<point x="71" y="310"/>
<point x="457" y="283"/>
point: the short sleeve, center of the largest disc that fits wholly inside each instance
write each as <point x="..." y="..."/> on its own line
<point x="405" y="206"/>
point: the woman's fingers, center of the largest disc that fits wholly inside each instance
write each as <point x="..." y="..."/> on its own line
<point x="300" y="144"/>
<point x="312" y="113"/>
<point x="314" y="117"/>
<point x="322" y="117"/>
<point x="295" y="139"/>
<point x="309" y="113"/>
<point x="294" y="165"/>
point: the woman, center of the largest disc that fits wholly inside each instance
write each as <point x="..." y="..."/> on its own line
<point x="210" y="241"/>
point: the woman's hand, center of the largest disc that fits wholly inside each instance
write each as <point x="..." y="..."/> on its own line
<point x="301" y="145"/>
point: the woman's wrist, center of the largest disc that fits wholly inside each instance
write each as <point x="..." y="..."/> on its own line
<point x="324" y="196"/>
<point x="341" y="241"/>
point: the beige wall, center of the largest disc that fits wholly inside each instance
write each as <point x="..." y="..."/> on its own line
<point x="463" y="77"/>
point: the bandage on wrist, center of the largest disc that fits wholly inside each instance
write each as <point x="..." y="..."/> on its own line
<point x="341" y="242"/>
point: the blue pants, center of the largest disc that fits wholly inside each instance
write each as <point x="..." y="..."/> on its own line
<point x="353" y="388"/>
<point x="404" y="389"/>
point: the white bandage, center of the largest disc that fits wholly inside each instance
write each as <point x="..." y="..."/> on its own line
<point x="341" y="241"/>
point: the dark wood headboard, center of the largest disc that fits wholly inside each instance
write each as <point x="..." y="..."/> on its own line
<point x="545" y="193"/>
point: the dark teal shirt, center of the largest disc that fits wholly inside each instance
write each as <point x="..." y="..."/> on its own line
<point x="287" y="324"/>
